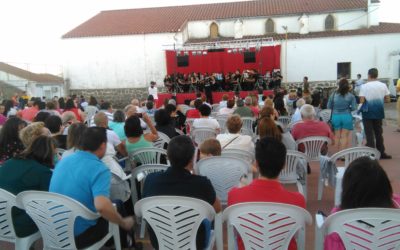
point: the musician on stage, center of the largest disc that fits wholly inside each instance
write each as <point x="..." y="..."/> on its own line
<point x="168" y="83"/>
<point x="236" y="79"/>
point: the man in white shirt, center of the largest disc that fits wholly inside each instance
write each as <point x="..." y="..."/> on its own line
<point x="233" y="139"/>
<point x="205" y="121"/>
<point x="153" y="90"/>
<point x="228" y="110"/>
<point x="297" y="114"/>
<point x="373" y="96"/>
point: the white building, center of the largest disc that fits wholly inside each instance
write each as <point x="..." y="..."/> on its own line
<point x="319" y="38"/>
<point x="35" y="85"/>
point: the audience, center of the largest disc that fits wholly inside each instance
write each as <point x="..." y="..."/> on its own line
<point x="54" y="124"/>
<point x="228" y="110"/>
<point x="10" y="143"/>
<point x="164" y="123"/>
<point x="178" y="180"/>
<point x="210" y="147"/>
<point x="71" y="106"/>
<point x="241" y="110"/>
<point x="29" y="133"/>
<point x="205" y="121"/>
<point x="365" y="184"/>
<point x="223" y="103"/>
<point x="195" y="113"/>
<point x="270" y="160"/>
<point x="268" y="128"/>
<point x="83" y="177"/>
<point x="297" y="115"/>
<point x="117" y="124"/>
<point x="136" y="139"/>
<point x="107" y="109"/>
<point x="29" y="170"/>
<point x="233" y="139"/>
<point x="74" y="138"/>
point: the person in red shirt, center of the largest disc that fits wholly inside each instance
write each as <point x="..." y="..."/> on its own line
<point x="309" y="126"/>
<point x="29" y="113"/>
<point x="194" y="113"/>
<point x="270" y="160"/>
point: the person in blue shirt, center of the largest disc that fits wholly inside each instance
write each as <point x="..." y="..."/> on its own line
<point x="84" y="177"/>
<point x="342" y="103"/>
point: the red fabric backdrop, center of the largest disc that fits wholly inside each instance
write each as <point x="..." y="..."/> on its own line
<point x="267" y="59"/>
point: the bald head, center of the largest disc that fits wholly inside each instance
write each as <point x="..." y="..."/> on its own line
<point x="101" y="120"/>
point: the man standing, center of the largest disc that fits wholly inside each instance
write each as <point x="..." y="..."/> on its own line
<point x="270" y="160"/>
<point x="83" y="177"/>
<point x="153" y="91"/>
<point x="306" y="85"/>
<point x="373" y="95"/>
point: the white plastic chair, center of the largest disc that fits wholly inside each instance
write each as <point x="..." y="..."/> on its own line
<point x="139" y="175"/>
<point x="266" y="225"/>
<point x="7" y="231"/>
<point x="289" y="174"/>
<point x="151" y="155"/>
<point x="349" y="155"/>
<point x="222" y="123"/>
<point x="162" y="140"/>
<point x="325" y="115"/>
<point x="175" y="220"/>
<point x="238" y="153"/>
<point x="247" y="127"/>
<point x="285" y="121"/>
<point x="55" y="215"/>
<point x="313" y="146"/>
<point x="201" y="134"/>
<point x="362" y="228"/>
<point x="189" y="124"/>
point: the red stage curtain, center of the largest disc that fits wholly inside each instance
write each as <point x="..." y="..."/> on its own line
<point x="267" y="59"/>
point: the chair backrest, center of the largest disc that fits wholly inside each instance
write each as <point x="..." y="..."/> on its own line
<point x="289" y="173"/>
<point x="351" y="154"/>
<point x="151" y="155"/>
<point x="175" y="220"/>
<point x="313" y="146"/>
<point x="247" y="127"/>
<point x="215" y="107"/>
<point x="325" y="115"/>
<point x="285" y="120"/>
<point x="7" y="201"/>
<point x="224" y="173"/>
<point x="366" y="228"/>
<point x="189" y="124"/>
<point x="162" y="140"/>
<point x="265" y="225"/>
<point x="200" y="134"/>
<point x="239" y="153"/>
<point x="54" y="214"/>
<point x="222" y="123"/>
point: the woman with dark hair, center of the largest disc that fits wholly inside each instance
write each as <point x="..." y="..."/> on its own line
<point x="54" y="124"/>
<point x="9" y="109"/>
<point x="30" y="170"/>
<point x="365" y="184"/>
<point x="279" y="104"/>
<point x="117" y="124"/>
<point x="134" y="133"/>
<point x="41" y="116"/>
<point x="342" y="103"/>
<point x="164" y="123"/>
<point x="70" y="106"/>
<point x="268" y="128"/>
<point x="10" y="144"/>
<point x="74" y="138"/>
<point x="61" y="103"/>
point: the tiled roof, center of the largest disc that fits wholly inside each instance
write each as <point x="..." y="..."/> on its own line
<point x="39" y="78"/>
<point x="382" y="28"/>
<point x="171" y="19"/>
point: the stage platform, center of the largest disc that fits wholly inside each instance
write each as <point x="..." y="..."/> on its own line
<point x="217" y="96"/>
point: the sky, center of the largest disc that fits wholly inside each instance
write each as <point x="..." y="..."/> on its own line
<point x="30" y="31"/>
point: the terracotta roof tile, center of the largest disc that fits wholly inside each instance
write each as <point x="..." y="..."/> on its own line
<point x="40" y="78"/>
<point x="170" y="19"/>
<point x="382" y="28"/>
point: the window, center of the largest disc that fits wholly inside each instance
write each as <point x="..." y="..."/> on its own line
<point x="344" y="70"/>
<point x="270" y="26"/>
<point x="214" y="31"/>
<point x="329" y="23"/>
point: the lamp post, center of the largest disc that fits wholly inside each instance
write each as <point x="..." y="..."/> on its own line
<point x="286" y="44"/>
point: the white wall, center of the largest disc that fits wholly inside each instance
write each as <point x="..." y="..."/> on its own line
<point x="318" y="58"/>
<point x="256" y="26"/>
<point x="116" y="62"/>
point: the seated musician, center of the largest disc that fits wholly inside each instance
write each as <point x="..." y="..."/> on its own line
<point x="200" y="82"/>
<point x="168" y="83"/>
<point x="236" y="78"/>
<point x="248" y="80"/>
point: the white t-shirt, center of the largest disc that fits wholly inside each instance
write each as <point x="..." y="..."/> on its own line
<point x="206" y="122"/>
<point x="113" y="138"/>
<point x="154" y="92"/>
<point x="374" y="92"/>
<point x="238" y="141"/>
<point x="226" y="111"/>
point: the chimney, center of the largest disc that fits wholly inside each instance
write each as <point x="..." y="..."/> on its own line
<point x="373" y="12"/>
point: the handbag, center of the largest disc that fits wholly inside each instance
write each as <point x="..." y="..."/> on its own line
<point x="330" y="118"/>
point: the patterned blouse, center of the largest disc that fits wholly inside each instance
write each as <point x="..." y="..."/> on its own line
<point x="11" y="150"/>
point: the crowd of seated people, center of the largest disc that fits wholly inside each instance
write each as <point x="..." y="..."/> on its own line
<point x="93" y="136"/>
<point x="249" y="79"/>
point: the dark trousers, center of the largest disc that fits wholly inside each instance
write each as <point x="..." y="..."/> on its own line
<point x="373" y="131"/>
<point x="93" y="234"/>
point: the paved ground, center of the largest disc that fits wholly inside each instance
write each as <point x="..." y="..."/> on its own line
<point x="392" y="167"/>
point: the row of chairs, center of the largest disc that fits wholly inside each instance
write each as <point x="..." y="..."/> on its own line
<point x="175" y="221"/>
